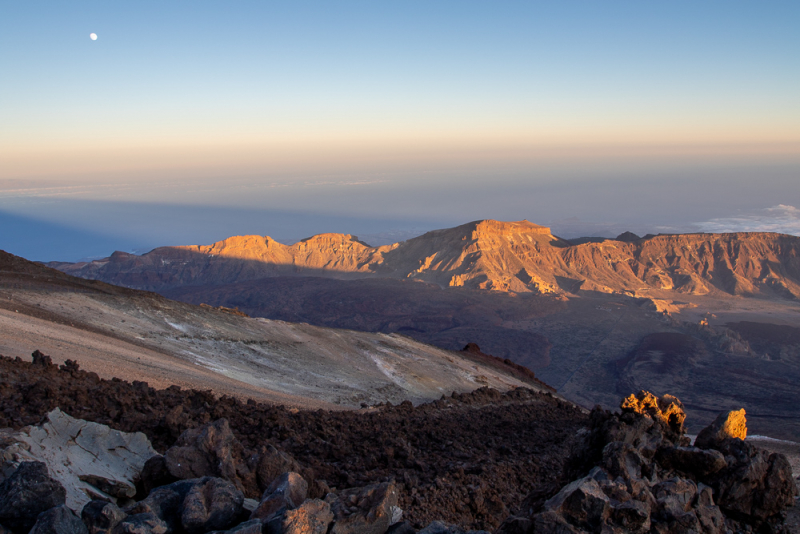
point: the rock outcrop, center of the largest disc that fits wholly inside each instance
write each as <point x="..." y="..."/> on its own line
<point x="732" y="424"/>
<point x="645" y="477"/>
<point x="88" y="459"/>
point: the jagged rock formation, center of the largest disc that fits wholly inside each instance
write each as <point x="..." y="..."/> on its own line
<point x="502" y="256"/>
<point x="645" y="477"/>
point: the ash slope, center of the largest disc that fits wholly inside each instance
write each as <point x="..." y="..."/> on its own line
<point x="143" y="336"/>
<point x="504" y="256"/>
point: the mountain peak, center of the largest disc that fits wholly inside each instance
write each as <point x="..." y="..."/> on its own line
<point x="510" y="227"/>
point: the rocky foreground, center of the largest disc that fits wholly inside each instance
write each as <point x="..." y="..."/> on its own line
<point x="520" y="462"/>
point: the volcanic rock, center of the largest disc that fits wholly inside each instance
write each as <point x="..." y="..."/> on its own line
<point x="154" y="474"/>
<point x="144" y="523"/>
<point x="582" y="503"/>
<point x="100" y="517"/>
<point x="58" y="520"/>
<point x="25" y="494"/>
<point x="212" y="504"/>
<point x="254" y="526"/>
<point x="286" y="492"/>
<point x="367" y="510"/>
<point x="89" y="460"/>
<point x="692" y="460"/>
<point x="312" y="517"/>
<point x="273" y="463"/>
<point x="440" y="527"/>
<point x="648" y="481"/>
<point x="211" y="450"/>
<point x="667" y="409"/>
<point x="732" y="424"/>
<point x="755" y="483"/>
<point x="195" y="505"/>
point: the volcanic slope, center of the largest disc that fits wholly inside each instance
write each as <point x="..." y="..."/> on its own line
<point x="503" y="256"/>
<point x="595" y="320"/>
<point x="137" y="335"/>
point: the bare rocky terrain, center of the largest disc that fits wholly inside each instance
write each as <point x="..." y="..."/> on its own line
<point x="468" y="459"/>
<point x="595" y="320"/>
<point x="135" y="335"/>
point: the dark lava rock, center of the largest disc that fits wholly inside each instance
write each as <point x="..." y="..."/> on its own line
<point x="154" y="475"/>
<point x="755" y="483"/>
<point x="164" y="503"/>
<point x="403" y="527"/>
<point x="254" y="526"/>
<point x="212" y="504"/>
<point x="25" y="494"/>
<point x="210" y="450"/>
<point x="286" y="492"/>
<point x="58" y="520"/>
<point x="440" y="527"/>
<point x="731" y="424"/>
<point x="645" y="479"/>
<point x="367" y="510"/>
<point x="272" y="463"/>
<point x="196" y="505"/>
<point x="312" y="517"/>
<point x="100" y="517"/>
<point x="702" y="463"/>
<point x="144" y="523"/>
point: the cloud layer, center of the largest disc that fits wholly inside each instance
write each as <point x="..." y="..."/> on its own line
<point x="781" y="219"/>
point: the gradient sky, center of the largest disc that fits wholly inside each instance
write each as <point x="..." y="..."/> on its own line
<point x="187" y="122"/>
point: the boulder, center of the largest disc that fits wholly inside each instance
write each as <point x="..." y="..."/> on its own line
<point x="701" y="463"/>
<point x="367" y="510"/>
<point x="732" y="424"/>
<point x="667" y="409"/>
<point x="88" y="459"/>
<point x="272" y="463"/>
<point x="756" y="483"/>
<point x="100" y="517"/>
<point x="312" y="517"/>
<point x="144" y="523"/>
<point x="210" y="450"/>
<point x="58" y="520"/>
<point x="286" y="492"/>
<point x="154" y="475"/>
<point x="212" y="504"/>
<point x="25" y="494"/>
<point x="633" y="516"/>
<point x="674" y="497"/>
<point x="196" y="505"/>
<point x="582" y="503"/>
<point x="622" y="460"/>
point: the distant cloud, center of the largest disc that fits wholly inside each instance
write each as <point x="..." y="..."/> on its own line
<point x="781" y="219"/>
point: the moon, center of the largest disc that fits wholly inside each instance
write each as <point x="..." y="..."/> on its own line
<point x="93" y="36"/>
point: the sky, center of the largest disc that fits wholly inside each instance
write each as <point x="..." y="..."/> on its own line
<point x="188" y="122"/>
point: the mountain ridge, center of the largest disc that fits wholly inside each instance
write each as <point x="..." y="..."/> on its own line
<point x="517" y="257"/>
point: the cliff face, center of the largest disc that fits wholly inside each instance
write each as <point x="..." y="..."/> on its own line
<point x="502" y="256"/>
